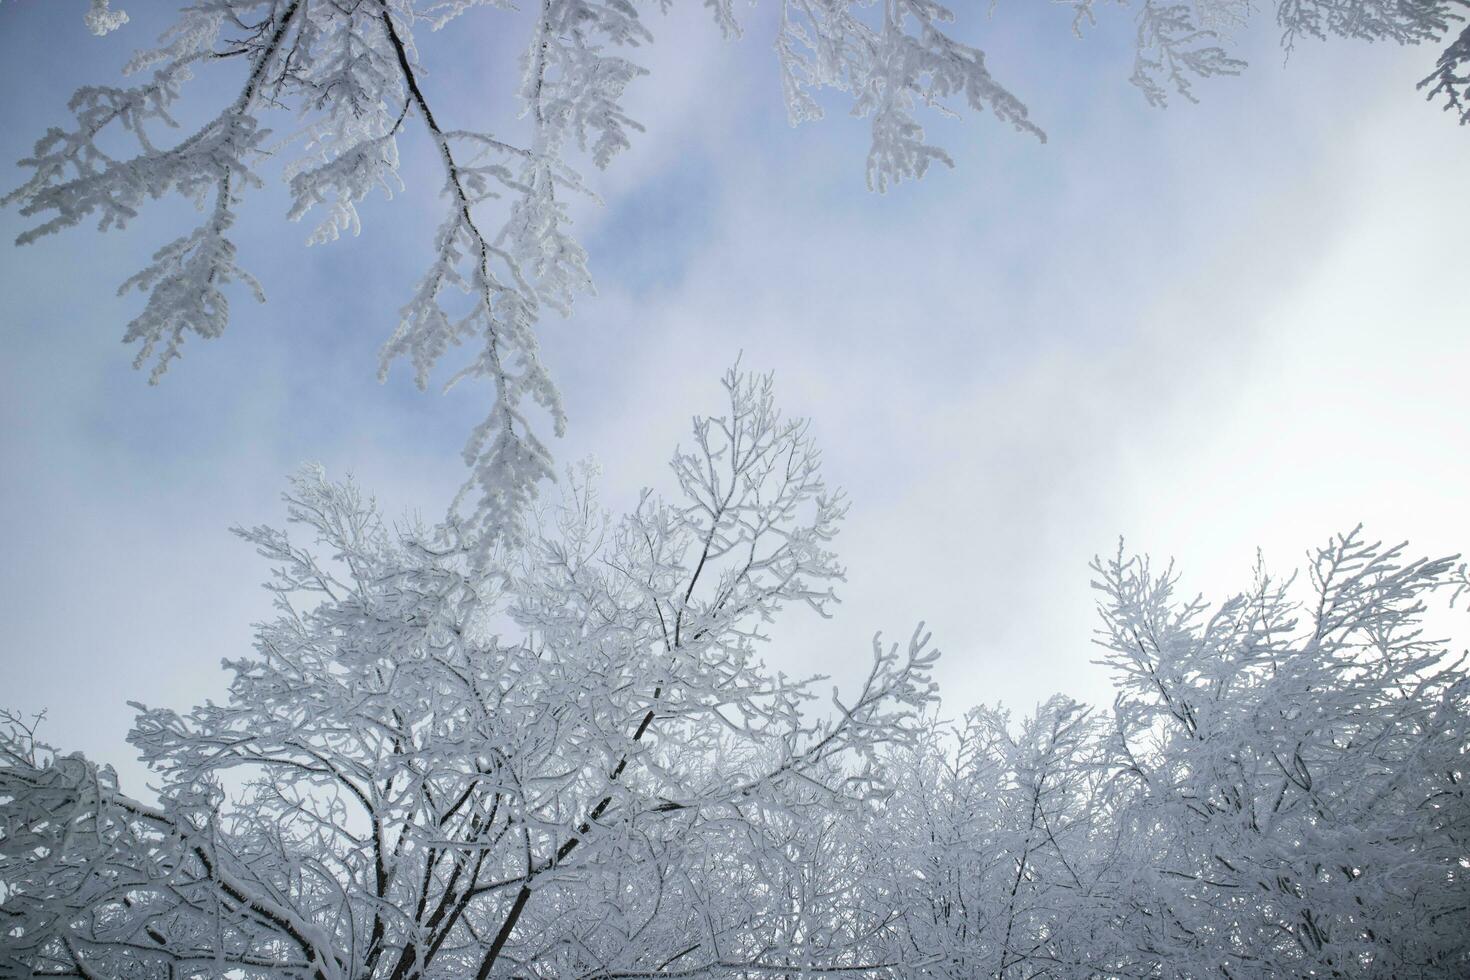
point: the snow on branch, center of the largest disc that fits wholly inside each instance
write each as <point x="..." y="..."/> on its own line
<point x="352" y="75"/>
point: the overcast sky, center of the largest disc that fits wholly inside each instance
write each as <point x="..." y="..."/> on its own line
<point x="1207" y="329"/>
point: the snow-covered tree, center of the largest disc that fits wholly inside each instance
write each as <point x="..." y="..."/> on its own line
<point x="350" y="73"/>
<point x="997" y="827"/>
<point x="565" y="757"/>
<point x="1300" y="775"/>
<point x="562" y="759"/>
<point x="1280" y="789"/>
<point x="625" y="791"/>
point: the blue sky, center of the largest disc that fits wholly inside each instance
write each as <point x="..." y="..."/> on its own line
<point x="1208" y="329"/>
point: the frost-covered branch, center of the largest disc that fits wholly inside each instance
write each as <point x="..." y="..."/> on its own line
<point x="352" y="75"/>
